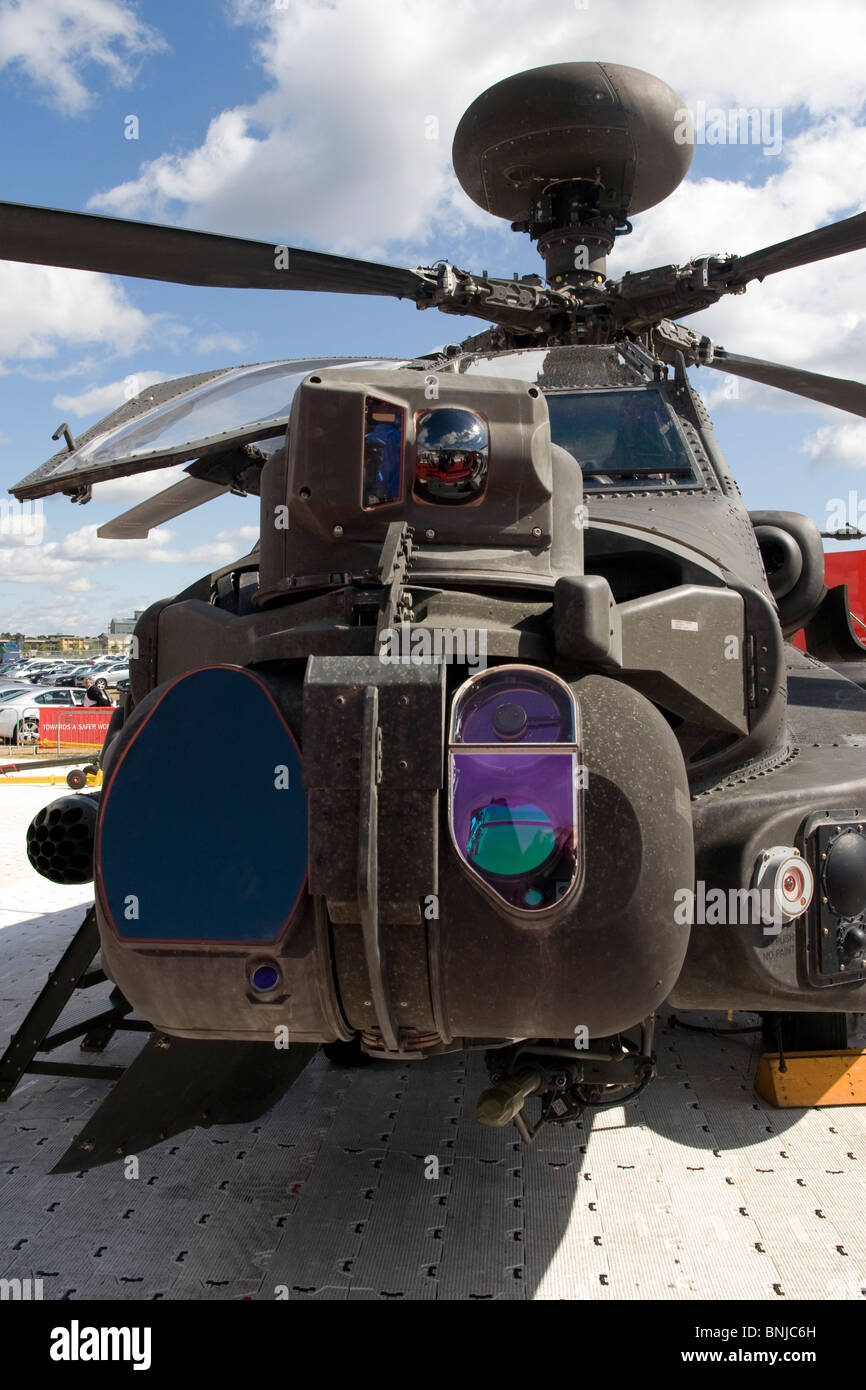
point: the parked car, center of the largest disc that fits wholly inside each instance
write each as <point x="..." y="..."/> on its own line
<point x="19" y="713"/>
<point x="58" y="674"/>
<point x="39" y="673"/>
<point x="9" y="688"/>
<point x="49" y="676"/>
<point x="71" y="677"/>
<point x="108" y="678"/>
<point x="97" y="668"/>
<point x="28" y="668"/>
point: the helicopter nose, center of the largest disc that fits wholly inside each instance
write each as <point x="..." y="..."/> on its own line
<point x="493" y="859"/>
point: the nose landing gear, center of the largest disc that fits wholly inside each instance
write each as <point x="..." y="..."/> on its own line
<point x="566" y="1079"/>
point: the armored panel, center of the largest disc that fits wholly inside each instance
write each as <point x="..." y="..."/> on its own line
<point x="408" y="775"/>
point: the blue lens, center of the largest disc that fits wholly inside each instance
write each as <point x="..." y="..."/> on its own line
<point x="265" y="977"/>
<point x="383" y="453"/>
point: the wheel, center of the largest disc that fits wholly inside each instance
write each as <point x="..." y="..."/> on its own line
<point x="805" y="1032"/>
<point x="76" y="779"/>
<point x="346" y="1054"/>
<point x="90" y="770"/>
<point x="101" y="683"/>
<point x="27" y="731"/>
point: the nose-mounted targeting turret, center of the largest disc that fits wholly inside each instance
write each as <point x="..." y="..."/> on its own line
<point x="567" y="153"/>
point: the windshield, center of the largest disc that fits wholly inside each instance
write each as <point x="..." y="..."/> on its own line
<point x="621" y="438"/>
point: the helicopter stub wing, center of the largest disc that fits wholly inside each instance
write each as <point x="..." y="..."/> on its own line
<point x="140" y="520"/>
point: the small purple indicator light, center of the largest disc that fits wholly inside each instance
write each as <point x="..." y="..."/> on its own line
<point x="265" y="978"/>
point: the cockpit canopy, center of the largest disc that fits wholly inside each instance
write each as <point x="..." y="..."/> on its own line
<point x="622" y="438"/>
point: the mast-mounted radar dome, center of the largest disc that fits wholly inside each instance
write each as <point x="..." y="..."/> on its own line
<point x="567" y="152"/>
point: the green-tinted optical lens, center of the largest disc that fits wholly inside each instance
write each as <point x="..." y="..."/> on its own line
<point x="510" y="840"/>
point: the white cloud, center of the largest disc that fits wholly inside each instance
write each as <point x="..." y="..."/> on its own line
<point x="56" y="43"/>
<point x="33" y="565"/>
<point x="103" y="399"/>
<point x="138" y="486"/>
<point x="225" y="547"/>
<point x="240" y="533"/>
<point x="50" y="611"/>
<point x="45" y="307"/>
<point x="84" y="546"/>
<point x="220" y="342"/>
<point x="81" y="366"/>
<point x="64" y="559"/>
<point x="837" y="446"/>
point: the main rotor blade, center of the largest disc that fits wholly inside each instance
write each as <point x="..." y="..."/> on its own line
<point x="148" y="251"/>
<point x="820" y="245"/>
<point x="829" y="390"/>
<point x="667" y="292"/>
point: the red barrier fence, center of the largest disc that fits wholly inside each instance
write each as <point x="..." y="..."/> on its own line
<point x="62" y="727"/>
<point x="845" y="567"/>
<point x="849" y="567"/>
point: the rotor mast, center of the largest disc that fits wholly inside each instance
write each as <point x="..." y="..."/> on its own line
<point x="574" y="236"/>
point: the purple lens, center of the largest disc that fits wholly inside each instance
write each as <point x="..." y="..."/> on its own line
<point x="498" y="711"/>
<point x="514" y="784"/>
<point x="513" y="818"/>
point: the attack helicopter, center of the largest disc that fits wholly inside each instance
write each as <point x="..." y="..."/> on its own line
<point x="524" y="726"/>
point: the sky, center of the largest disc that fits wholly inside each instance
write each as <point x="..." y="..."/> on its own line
<point x="328" y="124"/>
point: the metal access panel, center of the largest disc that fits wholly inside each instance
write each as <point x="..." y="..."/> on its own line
<point x="836" y="939"/>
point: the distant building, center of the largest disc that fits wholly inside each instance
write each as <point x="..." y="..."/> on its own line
<point x="58" y="642"/>
<point x="124" y="627"/>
